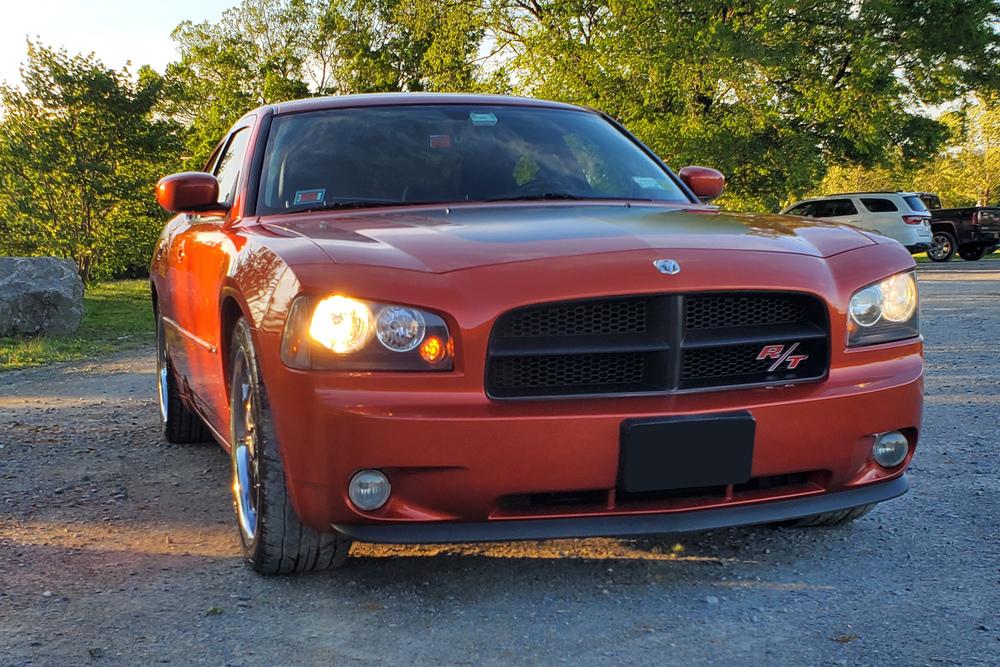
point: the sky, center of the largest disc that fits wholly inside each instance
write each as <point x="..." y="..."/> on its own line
<point x="115" y="30"/>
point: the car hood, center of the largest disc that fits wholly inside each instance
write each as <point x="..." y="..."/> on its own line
<point x="442" y="239"/>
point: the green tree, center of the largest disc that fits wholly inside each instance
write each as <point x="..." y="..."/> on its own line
<point x="770" y="91"/>
<point x="80" y="151"/>
<point x="267" y="51"/>
<point x="967" y="171"/>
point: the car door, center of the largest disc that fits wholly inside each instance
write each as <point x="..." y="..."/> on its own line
<point x="842" y="210"/>
<point x="205" y="250"/>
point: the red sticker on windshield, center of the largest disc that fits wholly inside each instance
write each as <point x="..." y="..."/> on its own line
<point x="309" y="196"/>
<point x="440" y="141"/>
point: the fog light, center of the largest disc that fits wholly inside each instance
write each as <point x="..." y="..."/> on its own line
<point x="369" y="489"/>
<point x="890" y="449"/>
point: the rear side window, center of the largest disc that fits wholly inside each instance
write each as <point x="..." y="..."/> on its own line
<point x="915" y="203"/>
<point x="832" y="208"/>
<point x="878" y="205"/>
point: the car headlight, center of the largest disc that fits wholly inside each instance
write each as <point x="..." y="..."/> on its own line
<point x="341" y="333"/>
<point x="884" y="312"/>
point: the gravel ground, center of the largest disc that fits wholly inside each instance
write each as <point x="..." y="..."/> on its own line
<point x="116" y="548"/>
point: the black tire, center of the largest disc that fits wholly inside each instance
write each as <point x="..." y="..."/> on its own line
<point x="179" y="423"/>
<point x="837" y="518"/>
<point x="971" y="253"/>
<point x="943" y="245"/>
<point x="273" y="538"/>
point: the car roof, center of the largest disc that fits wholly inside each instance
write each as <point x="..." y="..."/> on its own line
<point x="852" y="194"/>
<point x="399" y="99"/>
<point x="901" y="193"/>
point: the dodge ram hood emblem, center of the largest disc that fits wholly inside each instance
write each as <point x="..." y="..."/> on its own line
<point x="667" y="266"/>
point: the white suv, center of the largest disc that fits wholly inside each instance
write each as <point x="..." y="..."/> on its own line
<point x="899" y="215"/>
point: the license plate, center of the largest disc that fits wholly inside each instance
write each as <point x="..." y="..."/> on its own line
<point x="664" y="453"/>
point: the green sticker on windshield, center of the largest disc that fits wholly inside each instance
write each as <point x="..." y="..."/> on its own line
<point x="482" y="118"/>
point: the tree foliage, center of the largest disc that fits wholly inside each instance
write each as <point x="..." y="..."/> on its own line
<point x="787" y="97"/>
<point x="80" y="150"/>
<point x="965" y="172"/>
<point x="267" y="51"/>
<point x="770" y="91"/>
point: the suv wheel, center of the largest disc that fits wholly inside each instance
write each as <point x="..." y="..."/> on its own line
<point x="942" y="247"/>
<point x="179" y="423"/>
<point x="971" y="253"/>
<point x="274" y="540"/>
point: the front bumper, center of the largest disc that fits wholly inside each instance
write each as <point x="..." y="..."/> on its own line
<point x="635" y="524"/>
<point x="456" y="460"/>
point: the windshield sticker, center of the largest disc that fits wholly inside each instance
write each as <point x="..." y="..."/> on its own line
<point x="482" y="119"/>
<point x="309" y="196"/>
<point x="440" y="141"/>
<point x="647" y="183"/>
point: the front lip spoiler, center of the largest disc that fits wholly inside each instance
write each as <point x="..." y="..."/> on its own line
<point x="614" y="526"/>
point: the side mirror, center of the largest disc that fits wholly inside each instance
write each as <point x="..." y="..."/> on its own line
<point x="705" y="183"/>
<point x="190" y="192"/>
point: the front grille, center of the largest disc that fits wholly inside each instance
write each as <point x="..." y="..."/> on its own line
<point x="569" y="371"/>
<point x="589" y="318"/>
<point x="720" y="362"/>
<point x="657" y="344"/>
<point x="741" y="310"/>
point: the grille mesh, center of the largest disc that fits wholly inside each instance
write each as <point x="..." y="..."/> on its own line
<point x="619" y="316"/>
<point x="569" y="370"/>
<point x="718" y="312"/>
<point x="714" y="362"/>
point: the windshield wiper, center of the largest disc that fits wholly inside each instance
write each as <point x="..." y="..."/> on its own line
<point x="342" y="205"/>
<point x="541" y="196"/>
<point x="555" y="196"/>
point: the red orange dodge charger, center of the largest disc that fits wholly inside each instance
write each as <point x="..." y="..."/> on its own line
<point x="438" y="318"/>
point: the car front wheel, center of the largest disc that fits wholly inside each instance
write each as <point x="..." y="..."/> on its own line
<point x="273" y="538"/>
<point x="942" y="247"/>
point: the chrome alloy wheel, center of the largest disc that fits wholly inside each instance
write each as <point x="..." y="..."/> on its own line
<point x="246" y="480"/>
<point x="162" y="391"/>
<point x="940" y="247"/>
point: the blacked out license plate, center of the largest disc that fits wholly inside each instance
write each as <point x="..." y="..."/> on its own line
<point x="665" y="453"/>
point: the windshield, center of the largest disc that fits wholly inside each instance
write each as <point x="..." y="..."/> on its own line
<point x="388" y="155"/>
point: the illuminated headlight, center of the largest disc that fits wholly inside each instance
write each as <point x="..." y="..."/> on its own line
<point x="884" y="312"/>
<point x="341" y="333"/>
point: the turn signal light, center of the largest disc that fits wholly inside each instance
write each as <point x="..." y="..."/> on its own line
<point x="432" y="350"/>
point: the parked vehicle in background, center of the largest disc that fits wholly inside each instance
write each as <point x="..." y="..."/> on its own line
<point x="930" y="200"/>
<point x="973" y="231"/>
<point x="902" y="216"/>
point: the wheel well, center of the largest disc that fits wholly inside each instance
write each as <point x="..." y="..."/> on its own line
<point x="231" y="313"/>
<point x="944" y="227"/>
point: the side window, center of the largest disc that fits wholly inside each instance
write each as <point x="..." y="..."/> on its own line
<point x="801" y="209"/>
<point x="833" y="208"/>
<point x="878" y="205"/>
<point x="228" y="169"/>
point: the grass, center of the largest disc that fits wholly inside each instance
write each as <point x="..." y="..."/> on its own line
<point x="117" y="316"/>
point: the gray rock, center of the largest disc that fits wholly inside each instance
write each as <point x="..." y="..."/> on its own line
<point x="39" y="295"/>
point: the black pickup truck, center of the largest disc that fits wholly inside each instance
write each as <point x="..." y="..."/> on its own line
<point x="973" y="231"/>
